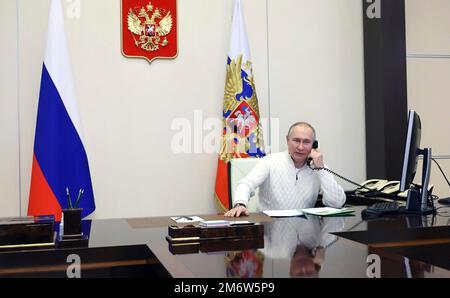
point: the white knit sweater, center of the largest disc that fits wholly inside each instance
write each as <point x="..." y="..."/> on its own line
<point x="282" y="186"/>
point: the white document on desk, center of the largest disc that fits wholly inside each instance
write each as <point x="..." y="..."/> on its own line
<point x="283" y="213"/>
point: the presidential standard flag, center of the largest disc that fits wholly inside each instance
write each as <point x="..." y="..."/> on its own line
<point x="242" y="134"/>
<point x="59" y="159"/>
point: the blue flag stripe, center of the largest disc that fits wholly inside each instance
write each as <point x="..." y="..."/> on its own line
<point x="59" y="150"/>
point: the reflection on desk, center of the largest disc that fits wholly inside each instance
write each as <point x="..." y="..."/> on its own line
<point x="301" y="241"/>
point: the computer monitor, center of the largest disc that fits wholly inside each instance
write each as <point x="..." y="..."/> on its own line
<point x="411" y="154"/>
<point x="417" y="200"/>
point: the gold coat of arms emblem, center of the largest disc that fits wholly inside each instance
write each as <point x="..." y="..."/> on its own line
<point x="149" y="29"/>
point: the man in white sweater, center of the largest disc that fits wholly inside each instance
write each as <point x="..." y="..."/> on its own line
<point x="284" y="179"/>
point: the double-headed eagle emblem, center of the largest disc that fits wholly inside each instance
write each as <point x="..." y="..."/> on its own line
<point x="149" y="27"/>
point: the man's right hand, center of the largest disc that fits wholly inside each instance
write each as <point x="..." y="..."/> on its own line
<point x="237" y="211"/>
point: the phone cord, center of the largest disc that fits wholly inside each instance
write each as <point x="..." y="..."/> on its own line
<point x="343" y="178"/>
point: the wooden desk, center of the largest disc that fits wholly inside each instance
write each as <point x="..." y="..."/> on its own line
<point x="137" y="247"/>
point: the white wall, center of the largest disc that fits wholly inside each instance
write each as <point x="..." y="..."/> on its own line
<point x="317" y="75"/>
<point x="9" y="130"/>
<point x="313" y="51"/>
<point x="428" y="64"/>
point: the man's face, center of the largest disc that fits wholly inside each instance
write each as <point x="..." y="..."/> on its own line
<point x="300" y="142"/>
<point x="302" y="264"/>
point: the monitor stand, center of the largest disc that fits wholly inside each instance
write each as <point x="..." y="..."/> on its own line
<point x="417" y="201"/>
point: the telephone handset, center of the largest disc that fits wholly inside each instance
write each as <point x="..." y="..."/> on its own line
<point x="390" y="187"/>
<point x="372" y="184"/>
<point x="315" y="145"/>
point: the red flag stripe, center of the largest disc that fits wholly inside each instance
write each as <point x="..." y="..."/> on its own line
<point x="44" y="200"/>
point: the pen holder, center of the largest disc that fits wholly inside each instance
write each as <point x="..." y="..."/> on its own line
<point x="72" y="222"/>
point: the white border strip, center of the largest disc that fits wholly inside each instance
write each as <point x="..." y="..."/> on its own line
<point x="269" y="126"/>
<point x="18" y="108"/>
<point x="439" y="56"/>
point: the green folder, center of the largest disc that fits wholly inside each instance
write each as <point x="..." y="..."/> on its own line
<point x="328" y="211"/>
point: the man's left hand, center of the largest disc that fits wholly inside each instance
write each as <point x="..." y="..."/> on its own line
<point x="317" y="157"/>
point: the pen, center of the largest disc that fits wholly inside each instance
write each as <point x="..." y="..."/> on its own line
<point x="80" y="194"/>
<point x="68" y="198"/>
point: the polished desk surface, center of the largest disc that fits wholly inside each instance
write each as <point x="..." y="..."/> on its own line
<point x="408" y="246"/>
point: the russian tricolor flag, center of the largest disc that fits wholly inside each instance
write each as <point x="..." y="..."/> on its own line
<point x="60" y="158"/>
<point x="242" y="133"/>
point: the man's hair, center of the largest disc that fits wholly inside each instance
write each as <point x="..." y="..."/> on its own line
<point x="302" y="123"/>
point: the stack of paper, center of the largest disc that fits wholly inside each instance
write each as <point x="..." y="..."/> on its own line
<point x="241" y="222"/>
<point x="214" y="223"/>
<point x="283" y="213"/>
<point x="321" y="211"/>
<point x="328" y="211"/>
